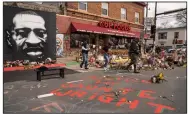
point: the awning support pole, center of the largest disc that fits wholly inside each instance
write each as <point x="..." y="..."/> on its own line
<point x="97" y="44"/>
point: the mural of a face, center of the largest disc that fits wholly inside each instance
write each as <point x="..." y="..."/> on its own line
<point x="29" y="34"/>
<point x="59" y="45"/>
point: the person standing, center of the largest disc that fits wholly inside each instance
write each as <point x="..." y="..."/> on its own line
<point x="106" y="56"/>
<point x="85" y="49"/>
<point x="134" y="52"/>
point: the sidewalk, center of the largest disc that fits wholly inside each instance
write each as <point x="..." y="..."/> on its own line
<point x="74" y="65"/>
<point x="65" y="59"/>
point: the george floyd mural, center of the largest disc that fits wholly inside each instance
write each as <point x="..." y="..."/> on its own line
<point x="28" y="34"/>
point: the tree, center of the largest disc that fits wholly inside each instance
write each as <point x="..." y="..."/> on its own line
<point x="181" y="17"/>
<point x="165" y="24"/>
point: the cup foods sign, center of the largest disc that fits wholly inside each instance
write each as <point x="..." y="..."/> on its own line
<point x="106" y="24"/>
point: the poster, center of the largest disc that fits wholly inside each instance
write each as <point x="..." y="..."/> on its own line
<point x="59" y="45"/>
<point x="28" y="34"/>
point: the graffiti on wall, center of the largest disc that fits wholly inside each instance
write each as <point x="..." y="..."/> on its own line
<point x="59" y="45"/>
<point x="67" y="42"/>
<point x="28" y="34"/>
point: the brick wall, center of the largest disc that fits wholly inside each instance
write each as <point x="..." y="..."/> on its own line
<point x="94" y="8"/>
<point x="33" y="6"/>
<point x="115" y="11"/>
<point x="94" y="12"/>
<point x="72" y="5"/>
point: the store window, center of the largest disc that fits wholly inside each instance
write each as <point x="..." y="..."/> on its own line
<point x="119" y="42"/>
<point x="123" y="13"/>
<point x="77" y="39"/>
<point x="83" y="6"/>
<point x="137" y="17"/>
<point x="162" y="35"/>
<point x="105" y="9"/>
<point x="176" y="35"/>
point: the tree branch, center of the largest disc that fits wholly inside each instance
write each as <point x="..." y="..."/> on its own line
<point x="182" y="17"/>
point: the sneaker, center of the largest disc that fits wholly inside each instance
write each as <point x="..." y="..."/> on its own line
<point x="108" y="69"/>
<point x="127" y="70"/>
<point x="105" y="69"/>
<point x="136" y="72"/>
<point x="86" y="68"/>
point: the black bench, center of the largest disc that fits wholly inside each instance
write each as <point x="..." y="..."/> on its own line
<point x="40" y="71"/>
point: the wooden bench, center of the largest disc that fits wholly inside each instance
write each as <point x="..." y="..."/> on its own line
<point x="40" y="71"/>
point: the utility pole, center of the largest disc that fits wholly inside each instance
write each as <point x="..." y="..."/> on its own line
<point x="146" y="17"/>
<point x="141" y="42"/>
<point x="146" y="27"/>
<point x="155" y="27"/>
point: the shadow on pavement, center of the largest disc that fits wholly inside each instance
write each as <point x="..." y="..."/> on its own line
<point x="30" y="75"/>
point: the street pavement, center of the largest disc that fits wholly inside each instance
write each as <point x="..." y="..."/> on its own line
<point x="95" y="92"/>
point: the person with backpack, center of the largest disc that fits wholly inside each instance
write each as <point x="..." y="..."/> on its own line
<point x="134" y="53"/>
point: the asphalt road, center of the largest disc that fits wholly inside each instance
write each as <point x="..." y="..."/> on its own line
<point x="91" y="92"/>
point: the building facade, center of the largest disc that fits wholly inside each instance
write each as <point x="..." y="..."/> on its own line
<point x="170" y="37"/>
<point x="113" y="11"/>
<point x="101" y="22"/>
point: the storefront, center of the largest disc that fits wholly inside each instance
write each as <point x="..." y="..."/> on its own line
<point x="96" y="33"/>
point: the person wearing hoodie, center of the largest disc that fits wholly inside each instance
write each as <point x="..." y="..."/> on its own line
<point x="85" y="50"/>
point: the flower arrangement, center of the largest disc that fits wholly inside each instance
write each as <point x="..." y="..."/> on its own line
<point x="27" y="64"/>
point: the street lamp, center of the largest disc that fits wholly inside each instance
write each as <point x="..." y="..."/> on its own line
<point x="146" y="27"/>
<point x="146" y="17"/>
<point x="155" y="27"/>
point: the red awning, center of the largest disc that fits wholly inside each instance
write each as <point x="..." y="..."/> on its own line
<point x="95" y="29"/>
